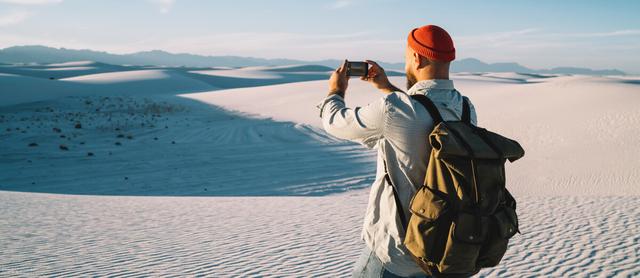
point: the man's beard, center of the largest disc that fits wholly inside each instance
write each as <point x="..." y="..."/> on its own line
<point x="411" y="80"/>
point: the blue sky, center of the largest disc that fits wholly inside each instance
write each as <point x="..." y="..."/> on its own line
<point x="538" y="34"/>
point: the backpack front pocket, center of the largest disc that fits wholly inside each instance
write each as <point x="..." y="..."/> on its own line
<point x="503" y="227"/>
<point x="470" y="228"/>
<point x="506" y="222"/>
<point x="428" y="203"/>
<point x="466" y="236"/>
<point x="428" y="226"/>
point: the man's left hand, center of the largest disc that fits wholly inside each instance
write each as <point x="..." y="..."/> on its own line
<point x="339" y="81"/>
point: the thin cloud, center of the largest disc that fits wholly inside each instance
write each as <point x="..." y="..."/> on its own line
<point x="537" y="38"/>
<point x="13" y="18"/>
<point x="496" y="37"/>
<point x="340" y="4"/>
<point x="617" y="33"/>
<point x="164" y="5"/>
<point x="541" y="48"/>
<point x="31" y="2"/>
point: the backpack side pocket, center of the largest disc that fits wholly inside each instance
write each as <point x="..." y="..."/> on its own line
<point x="428" y="227"/>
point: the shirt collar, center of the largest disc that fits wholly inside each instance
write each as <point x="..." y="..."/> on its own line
<point x="431" y="84"/>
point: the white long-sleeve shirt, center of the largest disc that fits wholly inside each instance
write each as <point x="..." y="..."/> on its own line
<point x="398" y="127"/>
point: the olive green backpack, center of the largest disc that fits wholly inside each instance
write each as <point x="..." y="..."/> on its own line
<point x="463" y="216"/>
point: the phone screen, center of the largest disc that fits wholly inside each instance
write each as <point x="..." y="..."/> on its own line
<point x="357" y="68"/>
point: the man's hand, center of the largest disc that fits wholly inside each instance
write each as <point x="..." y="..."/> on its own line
<point x="378" y="78"/>
<point x="339" y="81"/>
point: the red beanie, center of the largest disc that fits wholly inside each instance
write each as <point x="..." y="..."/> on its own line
<point x="432" y="42"/>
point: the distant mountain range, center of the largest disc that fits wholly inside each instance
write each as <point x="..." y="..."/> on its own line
<point x="44" y="54"/>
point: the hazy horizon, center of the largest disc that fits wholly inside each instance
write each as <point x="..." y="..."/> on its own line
<point x="541" y="34"/>
<point x="319" y="62"/>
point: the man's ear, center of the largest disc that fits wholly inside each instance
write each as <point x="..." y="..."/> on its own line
<point x="418" y="61"/>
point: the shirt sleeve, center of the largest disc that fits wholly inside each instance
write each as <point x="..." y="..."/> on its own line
<point x="363" y="125"/>
<point x="472" y="113"/>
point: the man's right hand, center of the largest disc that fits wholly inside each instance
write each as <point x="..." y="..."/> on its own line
<point x="378" y="78"/>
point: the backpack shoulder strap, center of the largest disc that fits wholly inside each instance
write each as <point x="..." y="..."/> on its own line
<point x="403" y="217"/>
<point x="428" y="104"/>
<point x="466" y="111"/>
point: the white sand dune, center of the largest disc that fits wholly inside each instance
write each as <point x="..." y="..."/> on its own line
<point x="74" y="64"/>
<point x="168" y="146"/>
<point x="63" y="235"/>
<point x="234" y="73"/>
<point x="69" y="69"/>
<point x="62" y="70"/>
<point x="548" y="118"/>
<point x="21" y="84"/>
<point x="116" y="77"/>
<point x="18" y="89"/>
<point x="300" y="68"/>
<point x="577" y="186"/>
<point x="251" y="77"/>
<point x="142" y="82"/>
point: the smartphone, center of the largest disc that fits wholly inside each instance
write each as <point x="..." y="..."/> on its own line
<point x="357" y="68"/>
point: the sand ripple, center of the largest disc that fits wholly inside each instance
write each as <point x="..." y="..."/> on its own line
<point x="63" y="235"/>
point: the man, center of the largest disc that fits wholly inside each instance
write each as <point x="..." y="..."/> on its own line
<point x="398" y="127"/>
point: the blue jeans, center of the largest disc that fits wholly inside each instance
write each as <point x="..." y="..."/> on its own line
<point x="369" y="266"/>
